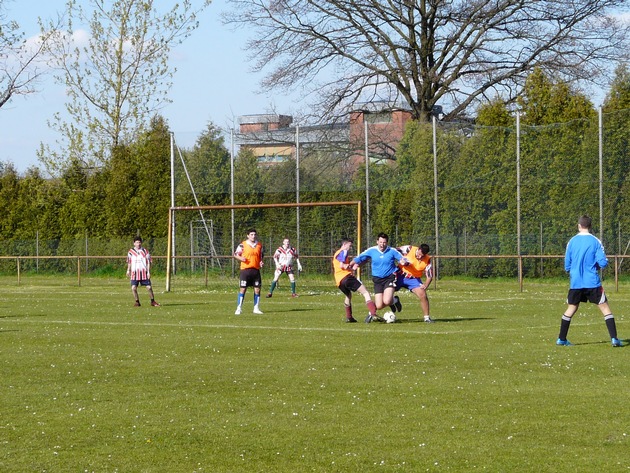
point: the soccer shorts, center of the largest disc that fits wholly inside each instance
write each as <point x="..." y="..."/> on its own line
<point x="380" y="284"/>
<point x="595" y="295"/>
<point x="250" y="277"/>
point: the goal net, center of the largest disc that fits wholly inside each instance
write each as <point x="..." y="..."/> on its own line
<point x="202" y="239"/>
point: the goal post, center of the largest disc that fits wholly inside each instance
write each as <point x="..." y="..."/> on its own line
<point x="170" y="256"/>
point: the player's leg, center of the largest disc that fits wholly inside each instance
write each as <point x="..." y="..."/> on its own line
<point x="573" y="302"/>
<point x="257" y="283"/>
<point x="388" y="296"/>
<point x="421" y="294"/>
<point x="276" y="276"/>
<point x="292" y="281"/>
<point x="368" y="300"/>
<point x="242" y="281"/>
<point x="609" y="318"/>
<point x="134" y="291"/>
<point x="150" y="291"/>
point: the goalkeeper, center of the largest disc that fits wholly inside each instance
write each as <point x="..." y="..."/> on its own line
<point x="284" y="257"/>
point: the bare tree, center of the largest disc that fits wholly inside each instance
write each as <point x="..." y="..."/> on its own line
<point x="19" y="68"/>
<point x="116" y="73"/>
<point x="421" y="53"/>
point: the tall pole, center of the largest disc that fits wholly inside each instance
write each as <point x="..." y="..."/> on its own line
<point x="233" y="245"/>
<point x="297" y="184"/>
<point x="601" y="180"/>
<point x="518" y="199"/>
<point x="367" y="182"/>
<point x="173" y="199"/>
<point x="435" y="198"/>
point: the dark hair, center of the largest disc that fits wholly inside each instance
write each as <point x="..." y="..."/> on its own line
<point x="382" y="235"/>
<point x="425" y="248"/>
<point x="251" y="230"/>
<point x="585" y="222"/>
<point x="137" y="238"/>
<point x="346" y="240"/>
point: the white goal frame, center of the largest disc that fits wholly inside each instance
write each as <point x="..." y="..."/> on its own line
<point x="171" y="215"/>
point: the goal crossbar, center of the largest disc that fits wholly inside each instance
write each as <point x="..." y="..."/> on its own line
<point x="297" y="205"/>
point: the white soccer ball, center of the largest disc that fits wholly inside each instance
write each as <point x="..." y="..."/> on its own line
<point x="389" y="317"/>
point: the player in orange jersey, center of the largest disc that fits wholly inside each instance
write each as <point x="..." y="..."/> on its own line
<point x="348" y="283"/>
<point x="410" y="276"/>
<point x="250" y="254"/>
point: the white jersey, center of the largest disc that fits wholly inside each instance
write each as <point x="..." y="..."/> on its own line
<point x="284" y="258"/>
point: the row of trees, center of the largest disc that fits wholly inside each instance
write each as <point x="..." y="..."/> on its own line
<point x="476" y="168"/>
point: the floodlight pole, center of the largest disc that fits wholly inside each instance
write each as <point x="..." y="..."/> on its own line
<point x="518" y="200"/>
<point x="297" y="185"/>
<point x="173" y="196"/>
<point x="435" y="198"/>
<point x="601" y="175"/>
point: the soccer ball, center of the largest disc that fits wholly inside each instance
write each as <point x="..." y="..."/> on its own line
<point x="389" y="317"/>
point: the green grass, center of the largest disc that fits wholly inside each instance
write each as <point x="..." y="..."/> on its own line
<point x="90" y="383"/>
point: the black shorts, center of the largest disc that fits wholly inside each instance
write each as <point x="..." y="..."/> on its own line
<point x="595" y="295"/>
<point x="349" y="284"/>
<point x="380" y="284"/>
<point x="250" y="277"/>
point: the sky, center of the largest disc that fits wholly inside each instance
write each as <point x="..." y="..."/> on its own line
<point x="213" y="83"/>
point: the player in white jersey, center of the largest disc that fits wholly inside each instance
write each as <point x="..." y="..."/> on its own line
<point x="139" y="270"/>
<point x="284" y="257"/>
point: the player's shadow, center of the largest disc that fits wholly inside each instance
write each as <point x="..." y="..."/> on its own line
<point x="439" y="321"/>
<point x="624" y="342"/>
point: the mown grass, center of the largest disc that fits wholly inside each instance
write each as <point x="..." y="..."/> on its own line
<point x="90" y="383"/>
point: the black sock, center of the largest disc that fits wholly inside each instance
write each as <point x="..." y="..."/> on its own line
<point x="564" y="327"/>
<point x="610" y="325"/>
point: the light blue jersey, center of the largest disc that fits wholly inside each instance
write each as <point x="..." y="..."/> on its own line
<point x="384" y="263"/>
<point x="583" y="259"/>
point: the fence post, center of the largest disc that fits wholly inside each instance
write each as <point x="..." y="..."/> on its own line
<point x="79" y="270"/>
<point x="18" y="269"/>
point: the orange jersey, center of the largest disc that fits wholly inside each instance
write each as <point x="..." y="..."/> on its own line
<point x="416" y="267"/>
<point x="341" y="256"/>
<point x="252" y="254"/>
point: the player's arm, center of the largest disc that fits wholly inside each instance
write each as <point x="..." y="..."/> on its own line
<point x="428" y="273"/>
<point x="238" y="254"/>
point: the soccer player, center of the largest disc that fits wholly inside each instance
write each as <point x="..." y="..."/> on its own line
<point x="283" y="257"/>
<point x="410" y="276"/>
<point x="139" y="270"/>
<point x="250" y="254"/>
<point x="583" y="258"/>
<point x="384" y="266"/>
<point x="348" y="283"/>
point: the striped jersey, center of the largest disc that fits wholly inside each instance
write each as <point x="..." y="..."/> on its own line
<point x="140" y="261"/>
<point x="284" y="257"/>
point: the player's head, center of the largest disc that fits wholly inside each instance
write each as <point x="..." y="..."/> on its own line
<point x="585" y="222"/>
<point x="286" y="242"/>
<point x="382" y="240"/>
<point x="347" y="242"/>
<point x="137" y="240"/>
<point x="425" y="249"/>
<point x="251" y="234"/>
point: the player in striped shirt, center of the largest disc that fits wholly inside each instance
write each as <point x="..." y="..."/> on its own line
<point x="139" y="270"/>
<point x="284" y="257"/>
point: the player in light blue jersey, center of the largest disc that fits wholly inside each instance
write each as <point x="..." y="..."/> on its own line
<point x="583" y="259"/>
<point x="385" y="261"/>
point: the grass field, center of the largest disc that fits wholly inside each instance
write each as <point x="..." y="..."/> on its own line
<point x="90" y="383"/>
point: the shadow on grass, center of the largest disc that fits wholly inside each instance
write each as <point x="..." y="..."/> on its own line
<point x="439" y="321"/>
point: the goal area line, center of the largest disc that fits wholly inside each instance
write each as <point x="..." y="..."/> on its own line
<point x="200" y="208"/>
